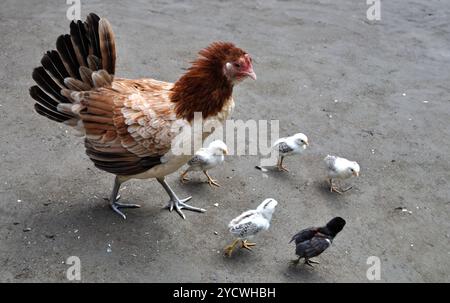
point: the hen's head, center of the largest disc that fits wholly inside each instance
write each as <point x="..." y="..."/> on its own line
<point x="228" y="60"/>
<point x="208" y="83"/>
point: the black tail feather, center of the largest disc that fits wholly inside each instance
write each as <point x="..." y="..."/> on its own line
<point x="92" y="26"/>
<point x="47" y="84"/>
<point x="80" y="41"/>
<point x="55" y="116"/>
<point x="52" y="62"/>
<point x="67" y="52"/>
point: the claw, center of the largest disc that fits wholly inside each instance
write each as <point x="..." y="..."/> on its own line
<point x="245" y="244"/>
<point x="116" y="206"/>
<point x="183" y="178"/>
<point x="213" y="182"/>
<point x="282" y="168"/>
<point x="335" y="189"/>
<point x="311" y="262"/>
<point x="179" y="205"/>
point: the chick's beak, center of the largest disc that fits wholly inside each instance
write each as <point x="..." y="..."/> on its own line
<point x="307" y="143"/>
<point x="225" y="151"/>
<point x="356" y="174"/>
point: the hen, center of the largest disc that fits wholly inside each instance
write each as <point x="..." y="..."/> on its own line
<point x="130" y="125"/>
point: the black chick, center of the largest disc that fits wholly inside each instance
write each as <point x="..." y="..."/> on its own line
<point x="313" y="241"/>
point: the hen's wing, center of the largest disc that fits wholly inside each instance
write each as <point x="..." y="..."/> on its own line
<point x="128" y="126"/>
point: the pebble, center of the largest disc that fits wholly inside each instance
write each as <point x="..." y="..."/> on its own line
<point x="425" y="101"/>
<point x="216" y="233"/>
<point x="26" y="229"/>
<point x="216" y="204"/>
<point x="109" y="249"/>
<point x="404" y="94"/>
<point x="18" y="201"/>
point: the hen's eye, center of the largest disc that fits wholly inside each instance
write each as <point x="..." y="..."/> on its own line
<point x="237" y="65"/>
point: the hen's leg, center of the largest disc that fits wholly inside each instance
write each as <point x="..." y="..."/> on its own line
<point x="177" y="203"/>
<point x="113" y="200"/>
<point x="211" y="181"/>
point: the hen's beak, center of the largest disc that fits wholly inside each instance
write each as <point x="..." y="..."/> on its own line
<point x="250" y="73"/>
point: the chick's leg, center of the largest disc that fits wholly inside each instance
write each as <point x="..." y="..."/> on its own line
<point x="247" y="245"/>
<point x="113" y="200"/>
<point x="229" y="249"/>
<point x="280" y="165"/>
<point x="334" y="188"/>
<point x="175" y="202"/>
<point x="183" y="177"/>
<point x="211" y="181"/>
<point x="310" y="262"/>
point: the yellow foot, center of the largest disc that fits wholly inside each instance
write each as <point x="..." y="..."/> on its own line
<point x="229" y="249"/>
<point x="184" y="180"/>
<point x="282" y="168"/>
<point x="213" y="183"/>
<point x="247" y="245"/>
<point x="335" y="189"/>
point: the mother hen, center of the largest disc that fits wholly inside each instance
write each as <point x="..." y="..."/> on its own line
<point x="130" y="125"/>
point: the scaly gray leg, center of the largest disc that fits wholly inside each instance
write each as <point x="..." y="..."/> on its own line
<point x="175" y="202"/>
<point x="113" y="200"/>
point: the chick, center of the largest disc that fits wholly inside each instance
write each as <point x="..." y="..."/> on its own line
<point x="289" y="146"/>
<point x="313" y="241"/>
<point x="340" y="168"/>
<point x="249" y="223"/>
<point x="205" y="159"/>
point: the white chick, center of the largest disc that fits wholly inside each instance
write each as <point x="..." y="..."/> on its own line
<point x="249" y="223"/>
<point x="340" y="168"/>
<point x="288" y="146"/>
<point x="205" y="159"/>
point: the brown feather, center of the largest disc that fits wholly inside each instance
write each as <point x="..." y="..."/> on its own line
<point x="205" y="88"/>
<point x="107" y="46"/>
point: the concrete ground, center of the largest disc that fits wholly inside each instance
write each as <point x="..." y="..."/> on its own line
<point x="308" y="54"/>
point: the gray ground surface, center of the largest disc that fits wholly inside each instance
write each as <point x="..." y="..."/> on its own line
<point x="308" y="53"/>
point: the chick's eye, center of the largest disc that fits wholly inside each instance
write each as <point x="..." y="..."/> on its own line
<point x="351" y="169"/>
